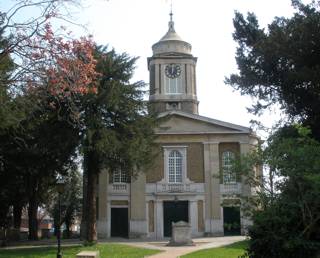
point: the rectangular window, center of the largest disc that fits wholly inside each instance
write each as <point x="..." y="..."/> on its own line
<point x="173" y="86"/>
<point x="229" y="175"/>
<point x="119" y="176"/>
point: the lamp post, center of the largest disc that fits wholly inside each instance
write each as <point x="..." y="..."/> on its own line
<point x="60" y="188"/>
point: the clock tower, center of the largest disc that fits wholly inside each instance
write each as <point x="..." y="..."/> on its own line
<point x="172" y="71"/>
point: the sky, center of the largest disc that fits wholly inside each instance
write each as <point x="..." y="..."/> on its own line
<point x="133" y="26"/>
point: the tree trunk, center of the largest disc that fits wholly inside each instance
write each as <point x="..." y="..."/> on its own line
<point x="91" y="207"/>
<point x="67" y="231"/>
<point x="17" y="212"/>
<point x="83" y="226"/>
<point x="4" y="237"/>
<point x="32" y="217"/>
<point x="93" y="171"/>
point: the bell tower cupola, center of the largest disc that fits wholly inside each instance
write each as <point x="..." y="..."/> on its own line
<point x="172" y="70"/>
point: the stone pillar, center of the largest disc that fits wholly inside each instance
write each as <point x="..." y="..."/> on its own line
<point x="201" y="224"/>
<point x="138" y="222"/>
<point x="151" y="216"/>
<point x="102" y="225"/>
<point x="213" y="219"/>
<point x="217" y="223"/>
<point x="159" y="219"/>
<point x="193" y="211"/>
<point x="207" y="188"/>
<point x="246" y="193"/>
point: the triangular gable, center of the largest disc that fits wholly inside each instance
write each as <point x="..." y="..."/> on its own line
<point x="186" y="123"/>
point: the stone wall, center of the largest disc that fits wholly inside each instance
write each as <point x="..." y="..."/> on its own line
<point x="195" y="167"/>
<point x="155" y="172"/>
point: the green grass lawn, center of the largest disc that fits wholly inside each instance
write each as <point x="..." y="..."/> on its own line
<point x="106" y="250"/>
<point x="229" y="251"/>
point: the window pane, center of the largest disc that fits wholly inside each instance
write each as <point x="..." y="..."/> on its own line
<point x="120" y="176"/>
<point x="175" y="167"/>
<point x="173" y="86"/>
<point x="229" y="176"/>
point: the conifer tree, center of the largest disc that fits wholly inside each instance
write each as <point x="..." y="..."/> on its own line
<point x="118" y="131"/>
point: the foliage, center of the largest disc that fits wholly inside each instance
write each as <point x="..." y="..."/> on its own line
<point x="37" y="51"/>
<point x="106" y="250"/>
<point x="118" y="131"/>
<point x="42" y="75"/>
<point x="117" y="124"/>
<point x="288" y="218"/>
<point x="70" y="201"/>
<point x="36" y="151"/>
<point x="230" y="251"/>
<point x="281" y="64"/>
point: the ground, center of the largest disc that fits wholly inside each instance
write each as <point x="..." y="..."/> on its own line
<point x="109" y="250"/>
<point x="230" y="251"/>
<point x="129" y="248"/>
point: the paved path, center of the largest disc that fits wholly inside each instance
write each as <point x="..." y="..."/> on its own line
<point x="174" y="252"/>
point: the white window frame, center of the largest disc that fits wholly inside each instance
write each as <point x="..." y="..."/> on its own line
<point x="229" y="176"/>
<point x="175" y="167"/>
<point x="119" y="177"/>
<point x="183" y="151"/>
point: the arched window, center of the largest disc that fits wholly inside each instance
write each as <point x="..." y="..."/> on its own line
<point x="229" y="176"/>
<point x="175" y="167"/>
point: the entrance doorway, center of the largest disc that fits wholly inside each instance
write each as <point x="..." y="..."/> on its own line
<point x="174" y="211"/>
<point x="119" y="222"/>
<point x="231" y="221"/>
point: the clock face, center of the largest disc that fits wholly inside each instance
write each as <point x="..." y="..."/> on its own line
<point x="173" y="70"/>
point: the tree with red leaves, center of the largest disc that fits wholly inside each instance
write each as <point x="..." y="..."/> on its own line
<point x="39" y="95"/>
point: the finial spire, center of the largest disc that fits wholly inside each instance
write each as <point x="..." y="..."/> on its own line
<point x="171" y="23"/>
<point x="171" y="14"/>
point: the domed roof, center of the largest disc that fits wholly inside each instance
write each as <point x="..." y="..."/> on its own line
<point x="171" y="34"/>
<point x="171" y="42"/>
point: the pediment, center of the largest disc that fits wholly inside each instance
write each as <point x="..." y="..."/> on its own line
<point x="177" y="122"/>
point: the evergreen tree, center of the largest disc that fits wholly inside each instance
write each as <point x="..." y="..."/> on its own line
<point x="282" y="63"/>
<point x="286" y="221"/>
<point x="118" y="131"/>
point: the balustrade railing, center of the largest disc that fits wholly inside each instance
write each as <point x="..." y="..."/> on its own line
<point x="230" y="188"/>
<point x="118" y="188"/>
<point x="173" y="188"/>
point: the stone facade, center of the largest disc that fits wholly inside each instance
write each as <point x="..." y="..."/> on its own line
<point x="187" y="180"/>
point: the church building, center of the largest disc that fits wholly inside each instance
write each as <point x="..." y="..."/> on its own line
<point x="191" y="178"/>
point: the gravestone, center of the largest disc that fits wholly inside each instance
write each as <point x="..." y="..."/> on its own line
<point x="181" y="234"/>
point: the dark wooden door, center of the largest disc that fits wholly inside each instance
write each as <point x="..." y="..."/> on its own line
<point x="174" y="211"/>
<point x="231" y="221"/>
<point x="119" y="222"/>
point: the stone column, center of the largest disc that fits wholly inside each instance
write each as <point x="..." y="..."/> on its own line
<point x="245" y="192"/>
<point x="217" y="223"/>
<point x="193" y="211"/>
<point x="207" y="188"/>
<point x="102" y="225"/>
<point x="214" y="221"/>
<point x="138" y="221"/>
<point x="159" y="219"/>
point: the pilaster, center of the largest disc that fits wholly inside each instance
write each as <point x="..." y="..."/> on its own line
<point x="246" y="193"/>
<point x="213" y="218"/>
<point x="159" y="219"/>
<point x="138" y="221"/>
<point x="193" y="208"/>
